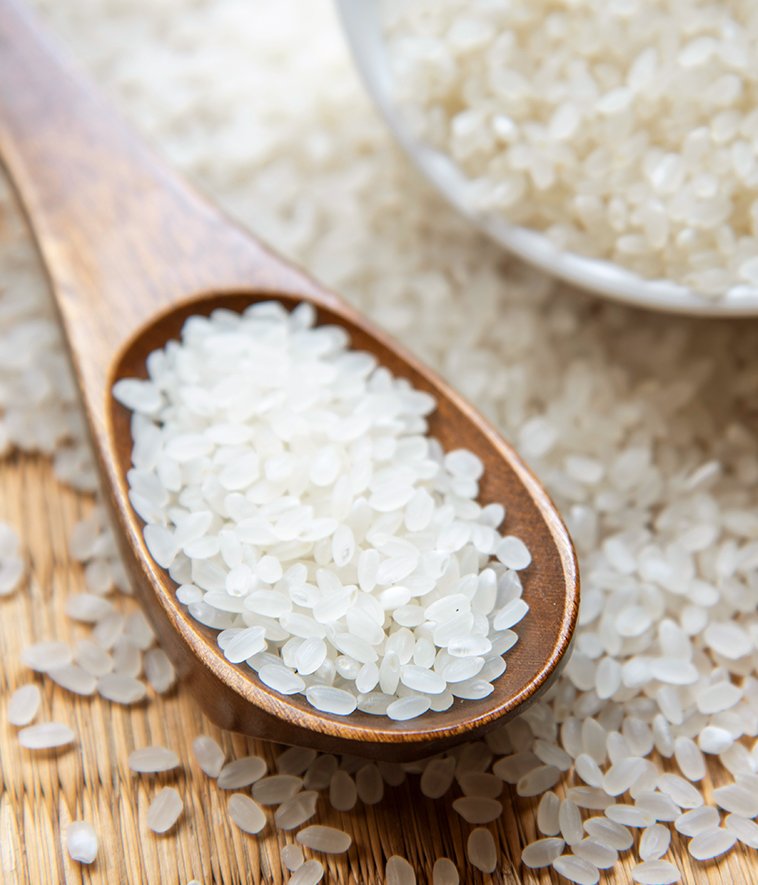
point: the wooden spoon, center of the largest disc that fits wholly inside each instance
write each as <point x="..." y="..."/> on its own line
<point x="132" y="252"/>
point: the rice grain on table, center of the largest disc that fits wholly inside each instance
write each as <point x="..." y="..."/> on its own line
<point x="148" y="760"/>
<point x="235" y="774"/>
<point x="165" y="810"/>
<point x="81" y="841"/>
<point x="445" y="872"/>
<point x="24" y="704"/>
<point x="246" y="813"/>
<point x="311" y="872"/>
<point x="481" y="850"/>
<point x="46" y="735"/>
<point x="399" y="872"/>
<point x="328" y="840"/>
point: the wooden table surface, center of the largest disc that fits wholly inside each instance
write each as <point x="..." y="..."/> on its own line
<point x="42" y="792"/>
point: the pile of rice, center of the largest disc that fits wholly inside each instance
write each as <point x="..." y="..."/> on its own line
<point x="624" y="130"/>
<point x="643" y="428"/>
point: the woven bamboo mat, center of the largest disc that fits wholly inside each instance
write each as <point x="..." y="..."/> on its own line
<point x="42" y="792"/>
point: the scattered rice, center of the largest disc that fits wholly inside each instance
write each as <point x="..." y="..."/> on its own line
<point x="575" y="869"/>
<point x="542" y="853"/>
<point x="121" y="689"/>
<point x="309" y="873"/>
<point x="399" y="872"/>
<point x="11" y="563"/>
<point x="292" y="857"/>
<point x="246" y="813"/>
<point x="274" y="789"/>
<point x="159" y="671"/>
<point x="326" y="839"/>
<point x="296" y="811"/>
<point x="23" y="704"/>
<point x="654" y="842"/>
<point x="596" y="853"/>
<point x="481" y="850"/>
<point x="477" y="809"/>
<point x="656" y="872"/>
<point x="210" y="757"/>
<point x="343" y="793"/>
<point x="164" y="810"/>
<point x="444" y="872"/>
<point x="81" y="841"/>
<point x="147" y="760"/>
<point x="711" y="843"/>
<point x="46" y="656"/>
<point x="46" y="735"/>
<point x="235" y="774"/>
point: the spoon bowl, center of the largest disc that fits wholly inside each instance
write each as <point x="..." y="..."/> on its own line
<point x="132" y="252"/>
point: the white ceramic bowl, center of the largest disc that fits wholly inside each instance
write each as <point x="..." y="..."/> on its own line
<point x="361" y="22"/>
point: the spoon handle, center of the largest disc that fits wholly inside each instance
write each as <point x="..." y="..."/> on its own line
<point x="122" y="236"/>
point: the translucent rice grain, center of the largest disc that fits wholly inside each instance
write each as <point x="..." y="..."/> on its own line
<point x="513" y="553"/>
<point x="476" y="783"/>
<point x="539" y="779"/>
<point x="629" y="815"/>
<point x="654" y="842"/>
<point x="570" y="822"/>
<point x="444" y="872"/>
<point x="210" y="757"/>
<point x="159" y="671"/>
<point x="478" y="810"/>
<point x="246" y="813"/>
<point x="697" y="821"/>
<point x="711" y="843"/>
<point x="343" y="793"/>
<point x="481" y="850"/>
<point x="152" y="759"/>
<point x="408" y="707"/>
<point x="164" y="810"/>
<point x="575" y="869"/>
<point x="121" y="689"/>
<point x="680" y="790"/>
<point x="74" y="679"/>
<point x="81" y="841"/>
<point x="437" y="778"/>
<point x="398" y="871"/>
<point x="745" y="830"/>
<point x="333" y="700"/>
<point x="46" y="656"/>
<point x="24" y="704"/>
<point x="598" y="854"/>
<point x="236" y="774"/>
<point x="296" y="811"/>
<point x="656" y="872"/>
<point x="324" y="839"/>
<point x="689" y="758"/>
<point x="319" y="773"/>
<point x="45" y="735"/>
<point x="276" y="788"/>
<point x="609" y="833"/>
<point x="548" y="815"/>
<point x="292" y="857"/>
<point x="542" y="853"/>
<point x="310" y="873"/>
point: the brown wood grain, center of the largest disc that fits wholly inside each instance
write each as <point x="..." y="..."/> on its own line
<point x="40" y="793"/>
<point x="131" y="251"/>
